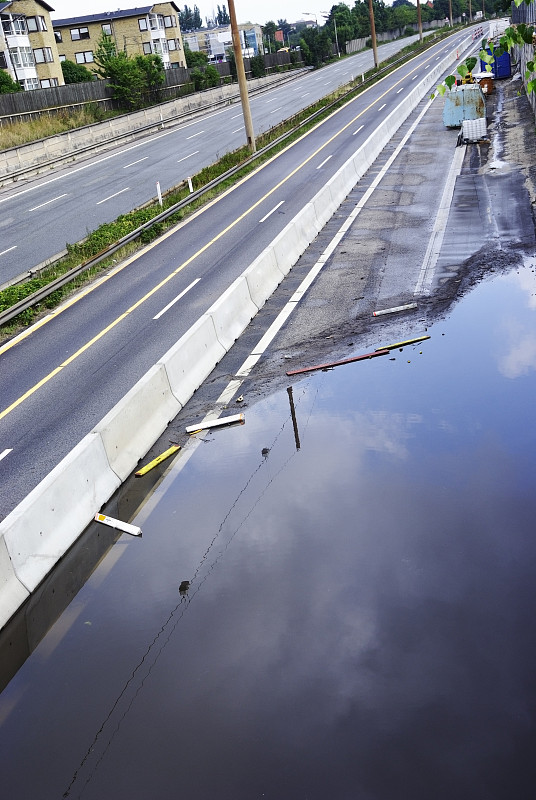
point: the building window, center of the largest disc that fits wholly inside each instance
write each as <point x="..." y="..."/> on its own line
<point x="29" y="84"/>
<point x="143" y="24"/>
<point x="36" y="24"/>
<point x="22" y="57"/>
<point x="3" y="61"/>
<point x="62" y="58"/>
<point x="156" y="22"/>
<point x="170" y="21"/>
<point x="147" y="49"/>
<point x="107" y="28"/>
<point x="43" y="55"/>
<point x="160" y="47"/>
<point x="172" y="44"/>
<point x="84" y="58"/>
<point x="46" y="83"/>
<point x="15" y="27"/>
<point x="58" y="37"/>
<point x="79" y="33"/>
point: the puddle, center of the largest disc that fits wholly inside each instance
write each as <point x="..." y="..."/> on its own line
<point x="359" y="615"/>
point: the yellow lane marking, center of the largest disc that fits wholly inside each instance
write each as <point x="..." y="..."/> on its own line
<point x="186" y="263"/>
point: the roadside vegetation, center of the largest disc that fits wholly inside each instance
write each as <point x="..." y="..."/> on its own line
<point x="108" y="234"/>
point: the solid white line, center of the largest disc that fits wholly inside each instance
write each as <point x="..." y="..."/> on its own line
<point x="189" y="156"/>
<point x="9" y="249"/>
<point x="325" y="161"/>
<point x="112" y="195"/>
<point x="136" y="162"/>
<point x="5" y="453"/>
<point x="48" y="202"/>
<point x="179" y="296"/>
<point x="274" y="209"/>
<point x="357" y="131"/>
<point x="436" y="239"/>
<point x="194" y="135"/>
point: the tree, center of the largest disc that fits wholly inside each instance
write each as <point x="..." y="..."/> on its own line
<point x="197" y="22"/>
<point x="222" y="16"/>
<point x="75" y="73"/>
<point x="212" y="77"/>
<point x="152" y="70"/>
<point x="130" y="78"/>
<point x="104" y="54"/>
<point x="195" y="58"/>
<point x="7" y="84"/>
<point x="257" y="66"/>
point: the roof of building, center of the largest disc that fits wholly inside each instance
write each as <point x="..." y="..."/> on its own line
<point x="4" y="6"/>
<point x="104" y="16"/>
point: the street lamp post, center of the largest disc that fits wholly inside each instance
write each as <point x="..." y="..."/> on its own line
<point x="326" y="16"/>
<point x="310" y="14"/>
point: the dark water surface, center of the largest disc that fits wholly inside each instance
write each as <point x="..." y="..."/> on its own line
<point x="360" y="621"/>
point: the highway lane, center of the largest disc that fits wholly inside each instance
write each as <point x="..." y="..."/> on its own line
<point x="38" y="217"/>
<point x="60" y="380"/>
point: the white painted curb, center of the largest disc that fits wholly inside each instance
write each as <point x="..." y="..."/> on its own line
<point x="133" y="425"/>
<point x="192" y="358"/>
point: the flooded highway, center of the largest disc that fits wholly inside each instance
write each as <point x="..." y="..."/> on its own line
<point x="358" y="619"/>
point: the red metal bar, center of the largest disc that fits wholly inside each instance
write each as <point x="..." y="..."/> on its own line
<point x="363" y="357"/>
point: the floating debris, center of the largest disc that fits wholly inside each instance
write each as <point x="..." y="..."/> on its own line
<point x="395" y="310"/>
<point x="133" y="530"/>
<point x="236" y="419"/>
<point x="363" y="357"/>
<point x="157" y="461"/>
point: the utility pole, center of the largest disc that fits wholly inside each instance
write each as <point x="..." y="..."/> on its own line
<point x="373" y="33"/>
<point x="241" y="74"/>
<point x="419" y="20"/>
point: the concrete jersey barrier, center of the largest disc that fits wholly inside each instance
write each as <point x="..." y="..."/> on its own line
<point x="42" y="528"/>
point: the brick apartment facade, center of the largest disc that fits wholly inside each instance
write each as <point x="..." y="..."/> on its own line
<point x="136" y="31"/>
<point x="28" y="50"/>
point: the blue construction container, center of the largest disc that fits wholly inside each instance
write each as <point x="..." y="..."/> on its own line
<point x="501" y="67"/>
<point x="463" y="102"/>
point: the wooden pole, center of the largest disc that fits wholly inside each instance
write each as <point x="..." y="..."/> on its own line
<point x="241" y="74"/>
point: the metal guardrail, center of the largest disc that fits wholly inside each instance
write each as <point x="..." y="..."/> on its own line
<point x="40" y="295"/>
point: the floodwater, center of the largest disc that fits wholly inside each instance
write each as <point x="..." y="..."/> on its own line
<point x="360" y="618"/>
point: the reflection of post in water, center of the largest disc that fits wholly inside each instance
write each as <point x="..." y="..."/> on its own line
<point x="293" y="414"/>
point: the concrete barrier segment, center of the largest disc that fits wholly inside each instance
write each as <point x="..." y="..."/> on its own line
<point x="12" y="592"/>
<point x="134" y="424"/>
<point x="232" y="312"/>
<point x="263" y="277"/>
<point x="192" y="358"/>
<point x="40" y="530"/>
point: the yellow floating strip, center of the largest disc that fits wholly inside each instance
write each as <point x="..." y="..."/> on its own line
<point x="158" y="460"/>
<point x="403" y="344"/>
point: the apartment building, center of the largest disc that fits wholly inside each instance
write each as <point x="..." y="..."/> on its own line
<point x="215" y="42"/>
<point x="136" y="31"/>
<point x="28" y="50"/>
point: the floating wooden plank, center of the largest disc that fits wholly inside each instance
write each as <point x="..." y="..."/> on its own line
<point x="236" y="419"/>
<point x="395" y="310"/>
<point x="403" y="344"/>
<point x="363" y="357"/>
<point x="158" y="460"/>
<point x="133" y="530"/>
